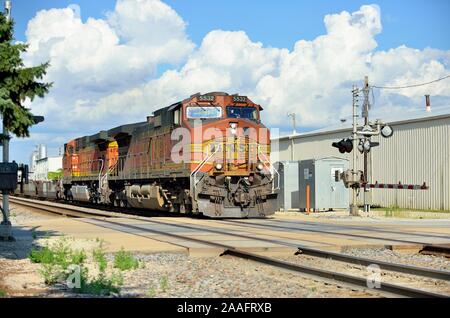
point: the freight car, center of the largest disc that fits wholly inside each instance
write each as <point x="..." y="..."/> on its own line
<point x="207" y="154"/>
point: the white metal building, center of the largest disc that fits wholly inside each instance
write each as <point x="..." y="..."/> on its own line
<point x="419" y="151"/>
<point x="45" y="165"/>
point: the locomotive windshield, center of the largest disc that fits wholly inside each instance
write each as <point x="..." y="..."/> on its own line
<point x="242" y="112"/>
<point x="200" y="112"/>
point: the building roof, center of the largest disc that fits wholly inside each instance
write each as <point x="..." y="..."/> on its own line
<point x="406" y="117"/>
<point x="51" y="157"/>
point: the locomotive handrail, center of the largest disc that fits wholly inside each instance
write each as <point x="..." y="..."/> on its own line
<point x="197" y="169"/>
<point x="271" y="167"/>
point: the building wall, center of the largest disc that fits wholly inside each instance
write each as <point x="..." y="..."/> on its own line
<point x="46" y="165"/>
<point x="419" y="151"/>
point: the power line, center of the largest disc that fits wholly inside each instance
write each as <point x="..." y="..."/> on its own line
<point x="409" y="86"/>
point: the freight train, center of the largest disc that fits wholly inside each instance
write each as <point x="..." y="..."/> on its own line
<point x="208" y="154"/>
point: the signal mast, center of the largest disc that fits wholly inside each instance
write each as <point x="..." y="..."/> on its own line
<point x="361" y="139"/>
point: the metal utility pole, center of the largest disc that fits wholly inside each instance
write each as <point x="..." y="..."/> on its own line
<point x="365" y="113"/>
<point x="6" y="224"/>
<point x="293" y="133"/>
<point x="354" y="204"/>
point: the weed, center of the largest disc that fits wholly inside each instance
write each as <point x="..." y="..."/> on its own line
<point x="99" y="256"/>
<point x="151" y="293"/>
<point x="164" y="283"/>
<point x="43" y="256"/>
<point x="78" y="257"/>
<point x="100" y="285"/>
<point x="124" y="261"/>
<point x="34" y="235"/>
<point x="51" y="274"/>
<point x="55" y="260"/>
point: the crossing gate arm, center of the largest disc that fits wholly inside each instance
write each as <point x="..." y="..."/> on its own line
<point x="399" y="185"/>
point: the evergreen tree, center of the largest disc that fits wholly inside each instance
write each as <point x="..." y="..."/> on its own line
<point x="17" y="82"/>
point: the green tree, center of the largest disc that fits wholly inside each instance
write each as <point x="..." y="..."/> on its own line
<point x="55" y="175"/>
<point x="17" y="82"/>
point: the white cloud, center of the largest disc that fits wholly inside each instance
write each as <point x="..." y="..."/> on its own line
<point x="89" y="59"/>
<point x="102" y="67"/>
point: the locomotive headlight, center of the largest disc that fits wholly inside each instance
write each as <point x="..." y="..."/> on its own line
<point x="259" y="166"/>
<point x="233" y="128"/>
<point x="219" y="166"/>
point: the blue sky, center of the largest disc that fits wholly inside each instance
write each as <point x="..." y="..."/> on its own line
<point x="417" y="24"/>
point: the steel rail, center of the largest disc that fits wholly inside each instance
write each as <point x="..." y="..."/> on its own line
<point x="65" y="211"/>
<point x="336" y="276"/>
<point x="230" y="250"/>
<point x="331" y="232"/>
<point x="406" y="269"/>
<point x="352" y="227"/>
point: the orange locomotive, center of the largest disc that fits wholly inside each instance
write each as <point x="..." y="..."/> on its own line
<point x="207" y="154"/>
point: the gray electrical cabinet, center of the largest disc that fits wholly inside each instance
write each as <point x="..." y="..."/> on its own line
<point x="324" y="192"/>
<point x="288" y="196"/>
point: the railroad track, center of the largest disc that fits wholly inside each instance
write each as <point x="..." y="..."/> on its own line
<point x="392" y="289"/>
<point x="347" y="227"/>
<point x="436" y="248"/>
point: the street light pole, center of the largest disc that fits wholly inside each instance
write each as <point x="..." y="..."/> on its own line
<point x="354" y="204"/>
<point x="366" y="155"/>
<point x="293" y="134"/>
<point x="6" y="229"/>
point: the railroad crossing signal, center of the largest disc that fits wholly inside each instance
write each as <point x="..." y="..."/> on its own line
<point x="365" y="144"/>
<point x="345" y="145"/>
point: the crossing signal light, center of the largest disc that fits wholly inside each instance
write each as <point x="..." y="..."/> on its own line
<point x="387" y="131"/>
<point x="365" y="145"/>
<point x="345" y="145"/>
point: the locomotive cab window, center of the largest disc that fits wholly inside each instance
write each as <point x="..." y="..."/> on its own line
<point x="203" y="112"/>
<point x="177" y="117"/>
<point x="242" y="112"/>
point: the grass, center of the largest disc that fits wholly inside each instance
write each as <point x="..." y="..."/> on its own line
<point x="396" y="211"/>
<point x="391" y="211"/>
<point x="395" y="208"/>
<point x="125" y="261"/>
<point x="3" y="293"/>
